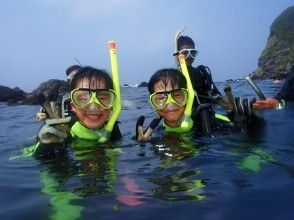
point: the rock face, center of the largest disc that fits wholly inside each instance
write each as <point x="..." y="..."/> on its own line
<point x="11" y="95"/>
<point x="278" y="56"/>
<point x="53" y="88"/>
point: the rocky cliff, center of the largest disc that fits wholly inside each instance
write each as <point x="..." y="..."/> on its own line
<point x="278" y="56"/>
<point x="52" y="88"/>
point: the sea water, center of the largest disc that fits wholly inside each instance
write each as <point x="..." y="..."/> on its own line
<point x="226" y="176"/>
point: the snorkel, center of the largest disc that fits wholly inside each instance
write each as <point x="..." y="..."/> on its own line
<point x="116" y="87"/>
<point x="179" y="32"/>
<point x="187" y="122"/>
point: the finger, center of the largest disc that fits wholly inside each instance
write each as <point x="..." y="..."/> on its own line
<point x="148" y="133"/>
<point x="154" y="123"/>
<point x="247" y="107"/>
<point x="45" y="104"/>
<point x="140" y="121"/>
<point x="139" y="127"/>
<point x="140" y="134"/>
<point x="55" y="110"/>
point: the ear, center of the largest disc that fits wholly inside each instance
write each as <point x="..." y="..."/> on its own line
<point x="73" y="107"/>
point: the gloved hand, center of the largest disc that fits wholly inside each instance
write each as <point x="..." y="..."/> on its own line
<point x="242" y="111"/>
<point x="55" y="130"/>
<point x="238" y="109"/>
<point x="142" y="135"/>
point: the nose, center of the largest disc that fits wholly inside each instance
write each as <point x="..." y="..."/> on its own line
<point x="93" y="106"/>
<point x="171" y="106"/>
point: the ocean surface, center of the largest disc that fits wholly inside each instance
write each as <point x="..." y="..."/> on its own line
<point x="226" y="176"/>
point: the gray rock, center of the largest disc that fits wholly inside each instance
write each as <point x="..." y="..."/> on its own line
<point x="53" y="89"/>
<point x="13" y="95"/>
<point x="278" y="56"/>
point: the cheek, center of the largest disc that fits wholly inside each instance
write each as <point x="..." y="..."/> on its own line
<point x="161" y="113"/>
<point x="107" y="113"/>
<point x="182" y="109"/>
<point x="73" y="108"/>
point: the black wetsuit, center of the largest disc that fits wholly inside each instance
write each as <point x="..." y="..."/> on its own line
<point x="287" y="91"/>
<point x="115" y="134"/>
<point x="202" y="83"/>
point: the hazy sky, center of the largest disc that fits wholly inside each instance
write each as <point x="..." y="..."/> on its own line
<point x="39" y="39"/>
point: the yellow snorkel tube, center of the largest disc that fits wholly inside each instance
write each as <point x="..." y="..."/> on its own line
<point x="116" y="87"/>
<point x="187" y="122"/>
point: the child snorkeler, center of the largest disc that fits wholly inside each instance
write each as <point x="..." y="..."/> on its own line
<point x="94" y="111"/>
<point x="96" y="104"/>
<point x="92" y="100"/>
<point x="171" y="95"/>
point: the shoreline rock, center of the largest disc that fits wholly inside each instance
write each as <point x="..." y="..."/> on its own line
<point x="277" y="58"/>
<point x="52" y="88"/>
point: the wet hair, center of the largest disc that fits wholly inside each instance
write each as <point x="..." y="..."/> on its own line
<point x="91" y="74"/>
<point x="165" y="75"/>
<point x="185" y="40"/>
<point x="70" y="69"/>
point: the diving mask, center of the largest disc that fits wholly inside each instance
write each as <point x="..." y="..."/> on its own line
<point x="160" y="99"/>
<point x="82" y="97"/>
<point x="188" y="53"/>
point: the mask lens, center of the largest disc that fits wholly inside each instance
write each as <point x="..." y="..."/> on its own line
<point x="106" y="98"/>
<point x="193" y="53"/>
<point x="81" y="97"/>
<point x="180" y="96"/>
<point x="184" y="52"/>
<point x="158" y="100"/>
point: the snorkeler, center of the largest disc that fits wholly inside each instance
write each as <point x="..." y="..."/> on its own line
<point x="92" y="98"/>
<point x="92" y="101"/>
<point x="171" y="96"/>
<point x="200" y="76"/>
<point x="285" y="94"/>
<point x="96" y="104"/>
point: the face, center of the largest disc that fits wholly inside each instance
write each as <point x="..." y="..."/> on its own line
<point x="189" y="60"/>
<point x="92" y="116"/>
<point x="172" y="113"/>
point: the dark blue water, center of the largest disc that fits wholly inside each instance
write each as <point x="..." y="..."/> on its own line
<point x="228" y="176"/>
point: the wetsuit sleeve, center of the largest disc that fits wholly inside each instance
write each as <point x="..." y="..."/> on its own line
<point x="115" y="134"/>
<point x="287" y="91"/>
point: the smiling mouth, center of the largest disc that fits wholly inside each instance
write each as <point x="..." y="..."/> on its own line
<point x="170" y="110"/>
<point x="93" y="116"/>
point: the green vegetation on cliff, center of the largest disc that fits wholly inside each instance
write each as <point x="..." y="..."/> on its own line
<point x="278" y="56"/>
<point x="283" y="26"/>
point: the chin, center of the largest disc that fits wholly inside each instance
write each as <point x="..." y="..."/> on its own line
<point x="171" y="121"/>
<point x="94" y="125"/>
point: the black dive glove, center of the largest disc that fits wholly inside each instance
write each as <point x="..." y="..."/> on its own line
<point x="238" y="109"/>
<point x="242" y="111"/>
<point x="142" y="135"/>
